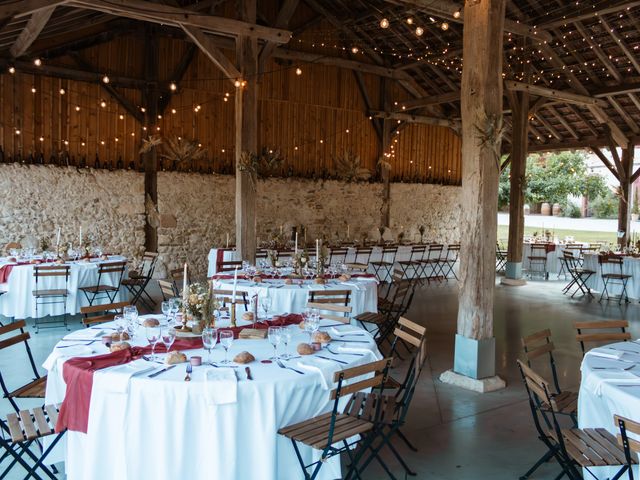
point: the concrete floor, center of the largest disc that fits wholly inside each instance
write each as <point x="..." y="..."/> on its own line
<point x="460" y="434"/>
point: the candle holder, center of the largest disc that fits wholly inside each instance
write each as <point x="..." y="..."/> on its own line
<point x="232" y="313"/>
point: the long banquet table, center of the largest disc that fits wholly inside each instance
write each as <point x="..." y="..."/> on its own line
<point x="18" y="302"/>
<point x="165" y="428"/>
<point x="294" y="297"/>
<point x="606" y="389"/>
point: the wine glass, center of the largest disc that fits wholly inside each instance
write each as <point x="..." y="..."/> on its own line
<point x="209" y="340"/>
<point x="121" y="324"/>
<point x="166" y="310"/>
<point x="168" y="337"/>
<point x="153" y="335"/>
<point x="132" y="327"/>
<point x="265" y="304"/>
<point x="274" y="337"/>
<point x="131" y="312"/>
<point x="286" y="334"/>
<point x="226" y="340"/>
<point x="175" y="307"/>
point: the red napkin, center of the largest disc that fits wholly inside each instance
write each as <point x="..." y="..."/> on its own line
<point x="5" y="271"/>
<point x="78" y="375"/>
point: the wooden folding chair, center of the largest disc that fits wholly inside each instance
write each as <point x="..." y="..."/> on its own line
<point x="51" y="296"/>
<point x="330" y="311"/>
<point x="26" y="427"/>
<point x="229" y="266"/>
<point x="168" y="289"/>
<point x="538" y="260"/>
<point x="34" y="388"/>
<point x="630" y="446"/>
<point x="599" y="336"/>
<point x="138" y="281"/>
<point x="361" y="259"/>
<point x="613" y="277"/>
<point x="226" y="297"/>
<point x="101" y="313"/>
<point x="336" y="297"/>
<point x="177" y="277"/>
<point x="106" y="286"/>
<point x="338" y="254"/>
<point x="335" y="433"/>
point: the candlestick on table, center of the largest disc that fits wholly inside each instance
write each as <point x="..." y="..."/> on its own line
<point x="58" y="240"/>
<point x="81" y="236"/>
<point x="227" y="240"/>
<point x="184" y="281"/>
<point x="348" y="231"/>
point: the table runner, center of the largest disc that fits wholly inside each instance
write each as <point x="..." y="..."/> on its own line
<point x="78" y="372"/>
<point x="222" y="276"/>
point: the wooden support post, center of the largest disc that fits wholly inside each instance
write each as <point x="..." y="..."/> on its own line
<point x="481" y="107"/>
<point x="150" y="98"/>
<point x="385" y="142"/>
<point x="519" y="142"/>
<point x="624" y="205"/>
<point x="246" y="123"/>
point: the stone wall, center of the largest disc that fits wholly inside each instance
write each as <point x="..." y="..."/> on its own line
<point x="196" y="211"/>
<point x="35" y="200"/>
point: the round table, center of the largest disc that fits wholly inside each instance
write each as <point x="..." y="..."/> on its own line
<point x="166" y="428"/>
<point x="630" y="266"/>
<point x="294" y="297"/>
<point x="607" y="389"/>
<point x="18" y="302"/>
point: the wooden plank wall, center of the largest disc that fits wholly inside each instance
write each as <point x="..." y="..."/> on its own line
<point x="311" y="118"/>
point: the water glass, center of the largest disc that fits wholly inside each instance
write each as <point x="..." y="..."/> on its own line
<point x="168" y="337"/>
<point x="166" y="310"/>
<point x="286" y="333"/>
<point x="226" y="340"/>
<point x="209" y="340"/>
<point x="153" y="335"/>
<point x="265" y="303"/>
<point x="131" y="312"/>
<point x="274" y="337"/>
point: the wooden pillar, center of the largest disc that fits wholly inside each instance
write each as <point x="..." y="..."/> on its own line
<point x="624" y="205"/>
<point x="150" y="159"/>
<point x="481" y="107"/>
<point x="246" y="123"/>
<point x="519" y="140"/>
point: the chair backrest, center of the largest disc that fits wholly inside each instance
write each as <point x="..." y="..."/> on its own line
<point x="375" y="373"/>
<point x="229" y="266"/>
<point x="115" y="268"/>
<point x="336" y="297"/>
<point x="417" y="252"/>
<point x="615" y="260"/>
<point x="539" y="344"/>
<point x="538" y="392"/>
<point x="586" y="333"/>
<point x="101" y="313"/>
<point x="414" y="334"/>
<point x="629" y="445"/>
<point x="168" y="289"/>
<point x="539" y="249"/>
<point x="149" y="260"/>
<point x="226" y="296"/>
<point x="261" y="254"/>
<point x="435" y="250"/>
<point x="338" y="253"/>
<point x="55" y="271"/>
<point x="453" y="251"/>
<point x="330" y="311"/>
<point x="177" y="276"/>
<point x="13" y="334"/>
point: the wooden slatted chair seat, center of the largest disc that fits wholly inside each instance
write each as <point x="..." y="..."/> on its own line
<point x="314" y="432"/>
<point x="592" y="447"/>
<point x="101" y="313"/>
<point x="100" y="288"/>
<point x="616" y="276"/>
<point x="52" y="292"/>
<point x="371" y="317"/>
<point x="31" y="424"/>
<point x="34" y="389"/>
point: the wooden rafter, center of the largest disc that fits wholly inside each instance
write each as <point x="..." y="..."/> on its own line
<point x="428" y="101"/>
<point x="27" y="7"/>
<point x="590" y="14"/>
<point x="603" y="158"/>
<point x="212" y="52"/>
<point x="282" y="21"/>
<point x="406" y="117"/>
<point x="567" y="97"/>
<point x="32" y="29"/>
<point x="166" y="15"/>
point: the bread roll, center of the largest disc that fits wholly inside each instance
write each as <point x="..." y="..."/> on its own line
<point x="288" y="281"/>
<point x="115" y="347"/>
<point x="248" y="316"/>
<point x="175" y="357"/>
<point x="319" y="281"/>
<point x="301" y="325"/>
<point x="321" y="337"/>
<point x="257" y="279"/>
<point x="305" y="349"/>
<point x="244" y="357"/>
<point x="150" y="322"/>
<point x="116" y="337"/>
<point x="344" y="277"/>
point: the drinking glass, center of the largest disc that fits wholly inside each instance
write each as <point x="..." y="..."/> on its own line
<point x="132" y="327"/>
<point x="131" y="312"/>
<point x="265" y="303"/>
<point x="286" y="333"/>
<point x="153" y="335"/>
<point x="121" y="324"/>
<point x="166" y="310"/>
<point x="274" y="337"/>
<point x="226" y="340"/>
<point x="168" y="337"/>
<point x="209" y="340"/>
<point x="175" y="307"/>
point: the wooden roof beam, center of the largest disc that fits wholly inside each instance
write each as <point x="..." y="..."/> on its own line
<point x="27" y="7"/>
<point x="446" y="9"/>
<point x="593" y="13"/>
<point x="595" y="149"/>
<point x="567" y="144"/>
<point x="619" y="89"/>
<point x="567" y="97"/>
<point x="282" y="21"/>
<point x="212" y="52"/>
<point x="428" y="101"/>
<point x="174" y="16"/>
<point x="32" y="29"/>
<point x="406" y="117"/>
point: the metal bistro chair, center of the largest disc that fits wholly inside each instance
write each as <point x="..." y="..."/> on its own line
<point x="579" y="275"/>
<point x="361" y="260"/>
<point x="501" y="258"/>
<point x="431" y="265"/>
<point x="448" y="261"/>
<point x="177" y="277"/>
<point x="106" y="287"/>
<point x="50" y="294"/>
<point x="101" y="313"/>
<point x="613" y="277"/>
<point x="137" y="282"/>
<point x="631" y="446"/>
<point x="575" y="250"/>
<point x="229" y="266"/>
<point x="586" y="333"/>
<point x="332" y="304"/>
<point x="414" y="263"/>
<point x="335" y="433"/>
<point x="385" y="264"/>
<point x="226" y="297"/>
<point x="168" y="289"/>
<point x="538" y="260"/>
<point x="338" y="254"/>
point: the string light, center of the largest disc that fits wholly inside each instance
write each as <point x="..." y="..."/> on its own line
<point x="444" y="26"/>
<point x="103" y="104"/>
<point x="37" y="62"/>
<point x="237" y="83"/>
<point x="12" y="70"/>
<point x="457" y="13"/>
<point x="410" y="21"/>
<point x="18" y="132"/>
<point x="121" y="117"/>
<point x="33" y="89"/>
<point x="77" y="108"/>
<point x="41" y="139"/>
<point x="419" y="31"/>
<point x="354" y="50"/>
<point x="173" y="87"/>
<point x="62" y="91"/>
<point x="105" y="79"/>
<point x="298" y="72"/>
<point x="384" y="23"/>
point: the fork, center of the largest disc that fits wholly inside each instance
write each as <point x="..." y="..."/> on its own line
<point x="345" y="353"/>
<point x="187" y="377"/>
<point x="282" y="365"/>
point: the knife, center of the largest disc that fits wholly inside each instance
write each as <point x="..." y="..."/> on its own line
<point x="155" y="374"/>
<point x="248" y="370"/>
<point x="351" y="341"/>
<point x="334" y="359"/>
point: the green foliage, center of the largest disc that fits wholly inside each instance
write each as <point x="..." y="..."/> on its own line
<point x="571" y="210"/>
<point x="554" y="178"/>
<point x="605" y="206"/>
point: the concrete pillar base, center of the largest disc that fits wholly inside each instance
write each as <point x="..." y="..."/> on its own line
<point x="483" y="385"/>
<point x="513" y="270"/>
<point x="475" y="358"/>
<point x="512" y="282"/>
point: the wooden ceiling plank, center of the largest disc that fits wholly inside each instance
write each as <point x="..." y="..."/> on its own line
<point x="32" y="29"/>
<point x="563" y="122"/>
<point x="27" y="7"/>
<point x="164" y="14"/>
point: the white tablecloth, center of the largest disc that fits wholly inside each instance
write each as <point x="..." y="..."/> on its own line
<point x="630" y="266"/>
<point x="227" y="256"/>
<point x="19" y="302"/>
<point x="599" y="400"/>
<point x="293" y="298"/>
<point x="164" y="428"/>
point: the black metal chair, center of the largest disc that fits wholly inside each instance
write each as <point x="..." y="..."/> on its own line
<point x="169" y="289"/>
<point x="336" y="433"/>
<point x="338" y="254"/>
<point x="613" y="277"/>
<point x="501" y="258"/>
<point x="593" y="332"/>
<point x="24" y="429"/>
<point x="35" y="388"/>
<point x="101" y="313"/>
<point x="631" y="446"/>
<point x="138" y="281"/>
<point x="51" y="290"/>
<point x="538" y="260"/>
<point x="382" y="268"/>
<point x="109" y="280"/>
<point x="414" y="263"/>
<point x="579" y="275"/>
<point x="449" y="260"/>
<point x="431" y="267"/>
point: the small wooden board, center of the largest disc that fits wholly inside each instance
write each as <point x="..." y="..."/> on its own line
<point x="253" y="333"/>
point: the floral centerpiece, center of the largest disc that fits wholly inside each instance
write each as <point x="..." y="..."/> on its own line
<point x="199" y="303"/>
<point x="324" y="255"/>
<point x="300" y="260"/>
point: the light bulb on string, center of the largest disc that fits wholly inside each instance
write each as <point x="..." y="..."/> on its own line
<point x="173" y="87"/>
<point x="105" y="79"/>
<point x="457" y="13"/>
<point x="237" y="83"/>
<point x="354" y="49"/>
<point x="12" y="70"/>
<point x="103" y="104"/>
<point x="410" y="21"/>
<point x="384" y="23"/>
<point x="298" y="71"/>
<point x="37" y="62"/>
<point x="444" y="26"/>
<point x="62" y="91"/>
<point x="419" y="31"/>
